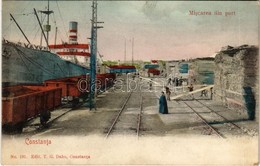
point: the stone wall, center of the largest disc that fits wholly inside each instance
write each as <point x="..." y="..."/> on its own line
<point x="236" y="79"/>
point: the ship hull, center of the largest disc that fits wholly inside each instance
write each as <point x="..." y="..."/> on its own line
<point x="21" y="65"/>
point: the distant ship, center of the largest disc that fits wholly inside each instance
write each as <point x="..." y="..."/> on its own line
<point x="30" y="64"/>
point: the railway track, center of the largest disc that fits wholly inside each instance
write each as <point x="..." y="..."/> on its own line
<point x="210" y="127"/>
<point x="225" y="119"/>
<point x="37" y="128"/>
<point x="140" y="116"/>
<point x="121" y="119"/>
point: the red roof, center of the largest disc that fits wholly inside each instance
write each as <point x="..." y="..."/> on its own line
<point x="73" y="30"/>
<point x="122" y="67"/>
<point x="154" y="71"/>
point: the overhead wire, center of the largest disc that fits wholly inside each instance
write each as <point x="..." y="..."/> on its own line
<point x="62" y="19"/>
<point x="55" y="22"/>
<point x="21" y="11"/>
<point x="42" y="20"/>
<point x="23" y="14"/>
<point x="24" y="28"/>
<point x="11" y="22"/>
<point x="8" y="29"/>
<point x="27" y="25"/>
<point x="19" y="15"/>
<point x="83" y="37"/>
<point x="60" y="34"/>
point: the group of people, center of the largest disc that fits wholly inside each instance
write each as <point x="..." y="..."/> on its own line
<point x="163" y="107"/>
<point x="175" y="81"/>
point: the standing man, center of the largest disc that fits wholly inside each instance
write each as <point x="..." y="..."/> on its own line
<point x="204" y="92"/>
<point x="168" y="93"/>
<point x="163" y="108"/>
<point x="180" y="81"/>
<point x="191" y="89"/>
<point x="177" y="81"/>
<point x="169" y="81"/>
<point x="150" y="85"/>
<point x="173" y="81"/>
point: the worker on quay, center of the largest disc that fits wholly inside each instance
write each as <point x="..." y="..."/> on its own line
<point x="134" y="77"/>
<point x="150" y="85"/>
<point x="180" y="81"/>
<point x="173" y="81"/>
<point x="163" y="108"/>
<point x="169" y="81"/>
<point x="211" y="93"/>
<point x="191" y="89"/>
<point x="204" y="92"/>
<point x="176" y="81"/>
<point x="168" y="93"/>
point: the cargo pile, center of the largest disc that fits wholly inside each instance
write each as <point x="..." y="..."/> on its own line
<point x="236" y="79"/>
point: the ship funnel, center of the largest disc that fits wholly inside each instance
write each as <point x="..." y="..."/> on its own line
<point x="73" y="31"/>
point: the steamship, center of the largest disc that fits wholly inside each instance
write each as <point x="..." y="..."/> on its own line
<point x="30" y="64"/>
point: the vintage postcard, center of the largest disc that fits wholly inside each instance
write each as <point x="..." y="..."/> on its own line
<point x="130" y="82"/>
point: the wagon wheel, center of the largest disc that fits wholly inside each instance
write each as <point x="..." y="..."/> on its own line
<point x="75" y="102"/>
<point x="44" y="117"/>
<point x="84" y="96"/>
<point x="19" y="127"/>
<point x="13" y="129"/>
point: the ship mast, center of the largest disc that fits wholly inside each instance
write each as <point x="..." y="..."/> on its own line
<point x="48" y="21"/>
<point x="47" y="27"/>
<point x="41" y="27"/>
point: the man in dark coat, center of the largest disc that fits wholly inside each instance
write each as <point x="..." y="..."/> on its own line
<point x="163" y="108"/>
<point x="150" y="85"/>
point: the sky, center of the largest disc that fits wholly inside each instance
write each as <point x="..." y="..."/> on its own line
<point x="161" y="30"/>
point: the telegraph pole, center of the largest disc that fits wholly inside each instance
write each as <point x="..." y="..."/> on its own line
<point x="125" y="52"/>
<point x="93" y="55"/>
<point x="132" y="51"/>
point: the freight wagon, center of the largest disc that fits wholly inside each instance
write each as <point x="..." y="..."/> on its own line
<point x="22" y="103"/>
